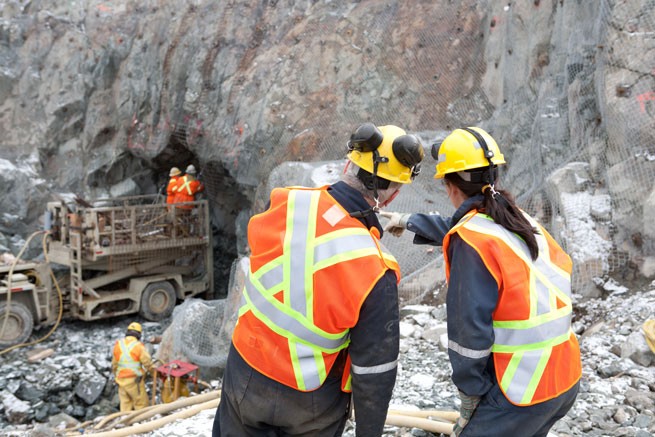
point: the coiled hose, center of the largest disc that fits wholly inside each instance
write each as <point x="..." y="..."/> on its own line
<point x="54" y="281"/>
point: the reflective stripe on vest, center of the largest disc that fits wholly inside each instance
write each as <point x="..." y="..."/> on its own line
<point x="529" y="341"/>
<point x="126" y="361"/>
<point x="294" y="276"/>
<point x="186" y="184"/>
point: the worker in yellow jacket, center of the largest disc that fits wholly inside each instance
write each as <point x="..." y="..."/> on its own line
<point x="129" y="360"/>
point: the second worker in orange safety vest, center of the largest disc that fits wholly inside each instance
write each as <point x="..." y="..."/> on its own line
<point x="187" y="187"/>
<point x="319" y="315"/>
<point x="515" y="359"/>
<point x="130" y="361"/>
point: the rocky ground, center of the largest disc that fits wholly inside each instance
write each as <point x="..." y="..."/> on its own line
<point x="617" y="395"/>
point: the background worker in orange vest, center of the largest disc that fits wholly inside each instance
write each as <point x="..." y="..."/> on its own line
<point x="320" y="307"/>
<point x="515" y="359"/>
<point x="130" y="361"/>
<point x="187" y="187"/>
<point x="174" y="175"/>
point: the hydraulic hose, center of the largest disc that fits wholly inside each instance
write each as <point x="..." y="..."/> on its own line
<point x="131" y="417"/>
<point x="450" y="416"/>
<point x="408" y="419"/>
<point x="120" y="416"/>
<point x="419" y="422"/>
<point x="179" y="403"/>
<point x="158" y="423"/>
<point x="54" y="281"/>
<point x="9" y="278"/>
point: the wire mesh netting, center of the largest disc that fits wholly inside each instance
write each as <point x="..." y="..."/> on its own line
<point x="579" y="141"/>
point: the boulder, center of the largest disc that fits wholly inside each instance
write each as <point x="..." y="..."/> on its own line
<point x="15" y="410"/>
<point x="90" y="388"/>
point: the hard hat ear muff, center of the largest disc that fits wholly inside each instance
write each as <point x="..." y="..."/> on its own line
<point x="434" y="151"/>
<point x="367" y="138"/>
<point x="409" y="152"/>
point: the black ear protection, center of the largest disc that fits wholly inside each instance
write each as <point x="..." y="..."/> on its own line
<point x="367" y="138"/>
<point x="434" y="150"/>
<point x="409" y="152"/>
<point x="407" y="149"/>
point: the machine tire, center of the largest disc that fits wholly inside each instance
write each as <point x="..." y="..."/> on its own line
<point x="158" y="301"/>
<point x="19" y="325"/>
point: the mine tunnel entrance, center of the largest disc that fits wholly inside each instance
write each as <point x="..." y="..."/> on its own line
<point x="226" y="200"/>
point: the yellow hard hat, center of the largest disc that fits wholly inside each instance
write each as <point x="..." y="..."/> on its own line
<point x="174" y="172"/>
<point x="466" y="149"/>
<point x="135" y="326"/>
<point x="396" y="154"/>
<point x="649" y="332"/>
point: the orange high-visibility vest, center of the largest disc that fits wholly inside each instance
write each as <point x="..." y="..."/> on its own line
<point x="171" y="188"/>
<point x="127" y="353"/>
<point x="311" y="268"/>
<point x="185" y="191"/>
<point x="535" y="352"/>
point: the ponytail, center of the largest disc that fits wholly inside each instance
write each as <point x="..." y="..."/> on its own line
<point x="500" y="206"/>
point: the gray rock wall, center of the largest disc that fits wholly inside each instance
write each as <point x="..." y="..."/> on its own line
<point x="99" y="98"/>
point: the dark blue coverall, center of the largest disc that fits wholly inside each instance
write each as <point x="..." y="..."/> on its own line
<point x="254" y="405"/>
<point x="471" y="300"/>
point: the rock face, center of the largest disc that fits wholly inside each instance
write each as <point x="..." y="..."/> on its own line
<point x="102" y="98"/>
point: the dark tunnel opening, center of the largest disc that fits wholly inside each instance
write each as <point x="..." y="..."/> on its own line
<point x="226" y="202"/>
<point x="224" y="196"/>
<point x="176" y="154"/>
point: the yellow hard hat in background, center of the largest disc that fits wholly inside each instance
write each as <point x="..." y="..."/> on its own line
<point x="174" y="172"/>
<point x="135" y="326"/>
<point x="399" y="154"/>
<point x="649" y="332"/>
<point x="466" y="149"/>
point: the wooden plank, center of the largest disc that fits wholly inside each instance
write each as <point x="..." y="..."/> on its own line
<point x="38" y="354"/>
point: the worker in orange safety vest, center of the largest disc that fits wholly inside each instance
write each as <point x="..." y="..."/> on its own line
<point x="319" y="316"/>
<point x="515" y="359"/>
<point x="187" y="187"/>
<point x="175" y="174"/>
<point x="130" y="361"/>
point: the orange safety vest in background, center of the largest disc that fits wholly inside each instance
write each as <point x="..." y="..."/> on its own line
<point x="186" y="190"/>
<point x="127" y="353"/>
<point x="171" y="188"/>
<point x="311" y="268"/>
<point x="536" y="354"/>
